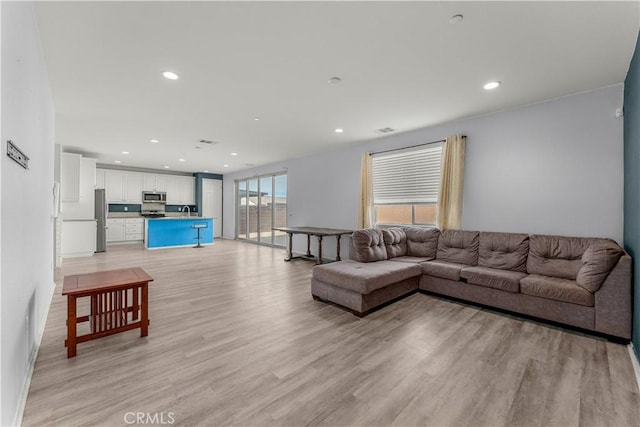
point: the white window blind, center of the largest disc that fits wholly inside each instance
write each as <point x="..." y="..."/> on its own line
<point x="411" y="176"/>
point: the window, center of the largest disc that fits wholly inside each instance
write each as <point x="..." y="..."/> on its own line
<point x="406" y="185"/>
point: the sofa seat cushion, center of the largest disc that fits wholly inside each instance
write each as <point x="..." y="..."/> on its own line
<point x="506" y="251"/>
<point x="505" y="280"/>
<point x="442" y="269"/>
<point x="395" y="242"/>
<point x="422" y="242"/>
<point x="412" y="259"/>
<point x="368" y="245"/>
<point x="556" y="289"/>
<point x="365" y="278"/>
<point x="458" y="246"/>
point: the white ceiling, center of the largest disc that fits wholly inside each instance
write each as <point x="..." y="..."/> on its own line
<point x="402" y="64"/>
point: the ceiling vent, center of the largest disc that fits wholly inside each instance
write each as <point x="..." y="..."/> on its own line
<point x="385" y="130"/>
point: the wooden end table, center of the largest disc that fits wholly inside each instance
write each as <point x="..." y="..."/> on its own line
<point x="114" y="294"/>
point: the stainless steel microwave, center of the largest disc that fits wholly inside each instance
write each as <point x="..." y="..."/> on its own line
<point x="154" y="197"/>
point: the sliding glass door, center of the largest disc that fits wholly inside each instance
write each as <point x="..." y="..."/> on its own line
<point x="261" y="204"/>
<point x="252" y="209"/>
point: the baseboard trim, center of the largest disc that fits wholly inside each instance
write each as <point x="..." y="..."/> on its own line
<point x="635" y="363"/>
<point x="24" y="393"/>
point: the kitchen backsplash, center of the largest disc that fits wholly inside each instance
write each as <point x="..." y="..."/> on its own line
<point x="120" y="207"/>
<point x="177" y="208"/>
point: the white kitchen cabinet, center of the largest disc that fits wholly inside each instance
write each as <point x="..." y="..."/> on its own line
<point x="115" y="230"/>
<point x="154" y="182"/>
<point x="124" y="187"/>
<point x="181" y="190"/>
<point x="174" y="191"/>
<point x="78" y="238"/>
<point x="100" y="177"/>
<point x="161" y="183"/>
<point x="70" y="177"/>
<point x="189" y="191"/>
<point x="83" y="207"/>
<point x="133" y="189"/>
<point x="125" y="229"/>
<point x="115" y="186"/>
<point x="134" y="229"/>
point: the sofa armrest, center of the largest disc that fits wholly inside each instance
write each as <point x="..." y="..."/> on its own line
<point x="613" y="301"/>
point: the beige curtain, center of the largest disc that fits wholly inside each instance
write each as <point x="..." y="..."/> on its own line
<point x="365" y="210"/>
<point x="451" y="183"/>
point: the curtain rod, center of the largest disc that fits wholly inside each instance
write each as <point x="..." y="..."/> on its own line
<point x="404" y="148"/>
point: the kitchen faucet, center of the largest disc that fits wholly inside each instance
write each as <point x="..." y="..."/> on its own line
<point x="188" y="210"/>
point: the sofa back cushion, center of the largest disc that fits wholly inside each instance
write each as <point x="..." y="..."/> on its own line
<point x="598" y="260"/>
<point x="557" y="256"/>
<point x="504" y="251"/>
<point x="395" y="242"/>
<point x="422" y="242"/>
<point x="368" y="245"/>
<point x="458" y="246"/>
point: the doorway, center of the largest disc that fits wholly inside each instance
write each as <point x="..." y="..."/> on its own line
<point x="212" y="203"/>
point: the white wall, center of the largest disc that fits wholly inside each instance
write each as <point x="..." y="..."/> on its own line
<point x="26" y="280"/>
<point x="554" y="167"/>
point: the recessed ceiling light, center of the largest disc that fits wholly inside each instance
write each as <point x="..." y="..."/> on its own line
<point x="455" y="19"/>
<point x="234" y="154"/>
<point x="385" y="130"/>
<point x="257" y="118"/>
<point x="170" y="75"/>
<point x="335" y="80"/>
<point x="181" y="160"/>
<point x="155" y="141"/>
<point x="226" y="166"/>
<point x="492" y="85"/>
<point x="166" y="166"/>
<point x="117" y="161"/>
<point x="339" y="130"/>
<point x="125" y="152"/>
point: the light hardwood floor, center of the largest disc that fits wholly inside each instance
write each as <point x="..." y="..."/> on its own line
<point x="236" y="339"/>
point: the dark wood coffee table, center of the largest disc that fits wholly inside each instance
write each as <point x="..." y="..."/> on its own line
<point x="319" y="232"/>
<point x="114" y="294"/>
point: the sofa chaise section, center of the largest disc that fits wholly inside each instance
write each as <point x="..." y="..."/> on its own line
<point x="369" y="282"/>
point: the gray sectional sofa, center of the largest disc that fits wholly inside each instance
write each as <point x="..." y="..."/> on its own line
<point x="582" y="282"/>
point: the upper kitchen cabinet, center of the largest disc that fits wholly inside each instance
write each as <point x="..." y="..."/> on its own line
<point x="134" y="187"/>
<point x="70" y="177"/>
<point x="181" y="190"/>
<point x="82" y="182"/>
<point x="123" y="187"/>
<point x="154" y="182"/>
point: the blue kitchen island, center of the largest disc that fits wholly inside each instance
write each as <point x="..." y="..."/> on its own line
<point x="177" y="232"/>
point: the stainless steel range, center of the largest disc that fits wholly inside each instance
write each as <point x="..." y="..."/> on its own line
<point x="153" y="210"/>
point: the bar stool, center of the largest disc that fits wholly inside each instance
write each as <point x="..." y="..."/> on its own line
<point x="198" y="226"/>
